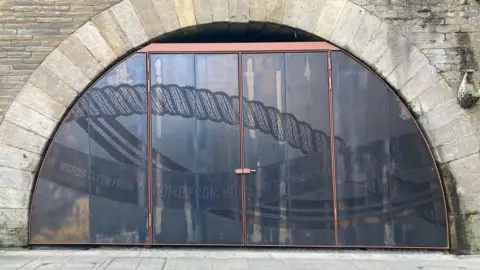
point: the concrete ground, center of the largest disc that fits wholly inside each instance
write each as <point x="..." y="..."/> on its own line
<point x="238" y="259"/>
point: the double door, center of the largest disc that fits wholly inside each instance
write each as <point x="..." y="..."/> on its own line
<point x="241" y="151"/>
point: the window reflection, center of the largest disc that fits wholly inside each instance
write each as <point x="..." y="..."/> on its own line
<point x="93" y="185"/>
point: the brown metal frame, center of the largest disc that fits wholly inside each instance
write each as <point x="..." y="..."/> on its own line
<point x="239" y="48"/>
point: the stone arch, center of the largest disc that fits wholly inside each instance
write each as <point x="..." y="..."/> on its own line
<point x="33" y="117"/>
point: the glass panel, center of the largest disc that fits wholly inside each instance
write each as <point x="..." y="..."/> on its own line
<point x="289" y="197"/>
<point x="195" y="140"/>
<point x="92" y="186"/>
<point x="388" y="190"/>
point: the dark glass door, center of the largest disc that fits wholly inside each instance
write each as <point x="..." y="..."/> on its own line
<point x="288" y="196"/>
<point x="195" y="149"/>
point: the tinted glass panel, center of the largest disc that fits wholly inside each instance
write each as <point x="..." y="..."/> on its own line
<point x="197" y="196"/>
<point x="388" y="190"/>
<point x="289" y="197"/>
<point x="93" y="184"/>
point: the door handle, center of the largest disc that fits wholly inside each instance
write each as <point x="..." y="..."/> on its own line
<point x="244" y="171"/>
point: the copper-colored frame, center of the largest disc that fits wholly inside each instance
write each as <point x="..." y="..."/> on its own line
<point x="239" y="49"/>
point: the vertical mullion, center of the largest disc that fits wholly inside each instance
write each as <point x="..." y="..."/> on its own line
<point x="242" y="150"/>
<point x="332" y="150"/>
<point x="149" y="151"/>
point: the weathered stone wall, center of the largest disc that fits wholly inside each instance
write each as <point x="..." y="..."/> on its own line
<point x="444" y="34"/>
<point x="446" y="31"/>
<point x="30" y="30"/>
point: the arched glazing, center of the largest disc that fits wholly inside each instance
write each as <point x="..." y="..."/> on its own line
<point x="153" y="153"/>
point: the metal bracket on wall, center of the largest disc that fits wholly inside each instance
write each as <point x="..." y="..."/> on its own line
<point x="469" y="91"/>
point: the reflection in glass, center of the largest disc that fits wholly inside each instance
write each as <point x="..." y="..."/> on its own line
<point x="93" y="183"/>
<point x="289" y="197"/>
<point x="197" y="196"/>
<point x="387" y="188"/>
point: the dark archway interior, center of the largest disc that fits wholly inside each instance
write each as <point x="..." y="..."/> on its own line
<point x="237" y="32"/>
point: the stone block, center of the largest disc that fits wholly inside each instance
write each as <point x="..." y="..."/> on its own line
<point x="167" y="14"/>
<point x="366" y="28"/>
<point x="328" y="18"/>
<point x="435" y="95"/>
<point x="239" y="10"/>
<point x="465" y="167"/>
<point x="185" y="12"/>
<point x="459" y="148"/>
<point x="472" y="228"/>
<point x="14" y="218"/>
<point x="90" y="36"/>
<point x="379" y="43"/>
<point x="14" y="238"/>
<point x="148" y="17"/>
<point x="16" y="158"/>
<point x="16" y="179"/>
<point x="203" y="11"/>
<point x="80" y="56"/>
<point x="53" y="86"/>
<point x="347" y="25"/>
<point x="458" y="127"/>
<point x="424" y="79"/>
<point x="396" y="53"/>
<point x="407" y="69"/>
<point x="16" y="136"/>
<point x="36" y="99"/>
<point x="469" y="204"/>
<point x="29" y="119"/>
<point x="441" y="115"/>
<point x="130" y="23"/>
<point x="59" y="64"/>
<point x="267" y="11"/>
<point x="112" y="32"/>
<point x="304" y="14"/>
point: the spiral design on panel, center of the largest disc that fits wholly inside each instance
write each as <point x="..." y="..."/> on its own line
<point x="203" y="104"/>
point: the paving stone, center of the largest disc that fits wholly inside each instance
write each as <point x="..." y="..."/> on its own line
<point x="129" y="22"/>
<point x="193" y="264"/>
<point x="370" y="265"/>
<point x="148" y="17"/>
<point x="90" y="36"/>
<point x="233" y="264"/>
<point x="59" y="64"/>
<point x="52" y="85"/>
<point x="328" y="18"/>
<point x="29" y="119"/>
<point x="167" y="14"/>
<point x="112" y="32"/>
<point x="151" y="263"/>
<point x="238" y="10"/>
<point x="304" y="14"/>
<point x="124" y="263"/>
<point x="14" y="263"/>
<point x="348" y="23"/>
<point x="12" y="199"/>
<point x="300" y="264"/>
<point x="16" y="179"/>
<point x="45" y="264"/>
<point x="13" y="135"/>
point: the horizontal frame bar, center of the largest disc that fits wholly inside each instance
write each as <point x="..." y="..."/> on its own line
<point x="238" y="47"/>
